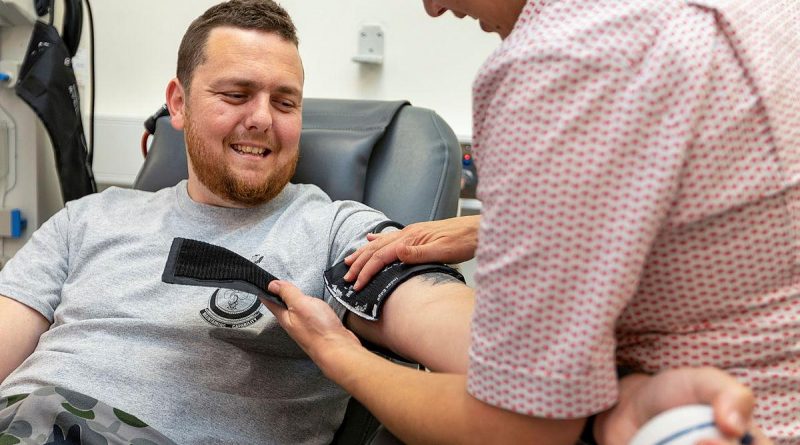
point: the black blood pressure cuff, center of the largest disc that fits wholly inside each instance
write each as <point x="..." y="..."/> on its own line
<point x="367" y="302"/>
<point x="197" y="263"/>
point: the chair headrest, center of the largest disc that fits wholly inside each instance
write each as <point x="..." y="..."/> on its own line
<point x="337" y="142"/>
<point x="397" y="158"/>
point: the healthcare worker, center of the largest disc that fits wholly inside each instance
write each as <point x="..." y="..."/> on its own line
<point x="639" y="169"/>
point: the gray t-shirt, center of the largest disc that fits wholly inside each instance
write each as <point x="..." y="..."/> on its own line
<point x="198" y="364"/>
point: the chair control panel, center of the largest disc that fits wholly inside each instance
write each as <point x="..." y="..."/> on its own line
<point x="469" y="180"/>
<point x="469" y="174"/>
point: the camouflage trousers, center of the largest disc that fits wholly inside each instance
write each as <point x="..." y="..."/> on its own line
<point x="52" y="415"/>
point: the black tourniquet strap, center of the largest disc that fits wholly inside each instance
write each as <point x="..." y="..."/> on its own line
<point x="197" y="263"/>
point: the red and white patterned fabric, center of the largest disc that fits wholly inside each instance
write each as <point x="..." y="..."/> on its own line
<point x="639" y="165"/>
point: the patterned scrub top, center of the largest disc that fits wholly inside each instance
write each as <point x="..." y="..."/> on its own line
<point x="639" y="166"/>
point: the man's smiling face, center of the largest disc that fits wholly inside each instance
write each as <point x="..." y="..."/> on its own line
<point x="242" y="117"/>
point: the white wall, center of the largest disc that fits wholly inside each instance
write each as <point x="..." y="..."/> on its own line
<point x="429" y="62"/>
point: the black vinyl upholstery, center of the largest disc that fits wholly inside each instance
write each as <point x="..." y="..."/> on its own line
<point x="394" y="157"/>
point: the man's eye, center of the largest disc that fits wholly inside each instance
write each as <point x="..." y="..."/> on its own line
<point x="285" y="104"/>
<point x="235" y="96"/>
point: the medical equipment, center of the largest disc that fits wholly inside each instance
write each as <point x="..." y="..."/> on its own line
<point x="368" y="302"/>
<point x="29" y="185"/>
<point x="197" y="263"/>
<point x="684" y="425"/>
<point x="47" y="83"/>
<point x="469" y="174"/>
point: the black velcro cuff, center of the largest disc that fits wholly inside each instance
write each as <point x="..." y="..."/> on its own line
<point x="368" y="302"/>
<point x="198" y="263"/>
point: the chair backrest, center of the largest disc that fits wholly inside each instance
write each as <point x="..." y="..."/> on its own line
<point x="402" y="160"/>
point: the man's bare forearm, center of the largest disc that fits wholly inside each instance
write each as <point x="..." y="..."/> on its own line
<point x="418" y="316"/>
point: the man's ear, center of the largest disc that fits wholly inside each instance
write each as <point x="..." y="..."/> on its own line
<point x="176" y="102"/>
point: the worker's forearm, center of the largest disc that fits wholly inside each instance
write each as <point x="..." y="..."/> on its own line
<point x="419" y="407"/>
<point x="422" y="407"/>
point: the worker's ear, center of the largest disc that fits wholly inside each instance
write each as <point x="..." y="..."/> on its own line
<point x="176" y="103"/>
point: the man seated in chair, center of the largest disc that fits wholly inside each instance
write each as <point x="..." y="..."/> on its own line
<point x="90" y="332"/>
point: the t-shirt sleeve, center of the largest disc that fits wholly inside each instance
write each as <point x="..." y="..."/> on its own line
<point x="351" y="224"/>
<point x="580" y="160"/>
<point x="38" y="271"/>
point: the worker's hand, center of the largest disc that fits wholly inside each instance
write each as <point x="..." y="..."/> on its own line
<point x="642" y="397"/>
<point x="310" y="322"/>
<point x="445" y="241"/>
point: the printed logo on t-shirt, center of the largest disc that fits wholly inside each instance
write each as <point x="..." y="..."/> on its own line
<point x="231" y="308"/>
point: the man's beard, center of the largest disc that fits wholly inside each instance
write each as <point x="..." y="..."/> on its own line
<point x="213" y="172"/>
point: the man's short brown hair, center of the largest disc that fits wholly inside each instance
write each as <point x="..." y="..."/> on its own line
<point x="262" y="15"/>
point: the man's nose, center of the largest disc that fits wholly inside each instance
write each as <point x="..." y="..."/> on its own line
<point x="259" y="116"/>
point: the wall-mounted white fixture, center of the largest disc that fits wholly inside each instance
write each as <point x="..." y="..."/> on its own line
<point x="370" y="45"/>
<point x="16" y="13"/>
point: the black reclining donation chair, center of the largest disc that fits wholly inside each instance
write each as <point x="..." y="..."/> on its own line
<point x="402" y="160"/>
